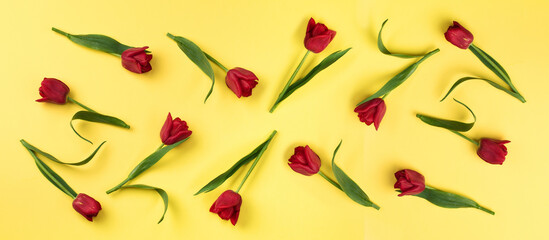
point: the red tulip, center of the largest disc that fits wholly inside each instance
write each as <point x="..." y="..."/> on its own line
<point x="409" y="182"/>
<point x="227" y="206"/>
<point x="241" y="81"/>
<point x="86" y="205"/>
<point x="174" y="130"/>
<point x="371" y="111"/>
<point x="53" y="91"/>
<point x="136" y="60"/>
<point x="492" y="151"/>
<point x="318" y="36"/>
<point x="459" y="36"/>
<point x="304" y="161"/>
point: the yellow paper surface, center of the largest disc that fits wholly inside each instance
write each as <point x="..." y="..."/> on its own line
<point x="267" y="38"/>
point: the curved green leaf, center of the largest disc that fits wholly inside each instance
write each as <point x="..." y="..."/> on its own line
<point x="47" y="155"/>
<point x="329" y="60"/>
<point x="216" y="182"/>
<point x="97" y="42"/>
<point x="495" y="67"/>
<point x="398" y="79"/>
<point x="55" y="179"/>
<point x="146" y="164"/>
<point x="449" y="124"/>
<point x="160" y="192"/>
<point x="349" y="186"/>
<point x="197" y="56"/>
<point x="464" y="79"/>
<point x="385" y="51"/>
<point x="96" y="117"/>
<point x="449" y="200"/>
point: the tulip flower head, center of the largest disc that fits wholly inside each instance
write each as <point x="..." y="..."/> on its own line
<point x="136" y="60"/>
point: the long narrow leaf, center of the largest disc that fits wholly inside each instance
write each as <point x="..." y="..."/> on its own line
<point x="55" y="179"/>
<point x="160" y="192"/>
<point x="450" y="200"/>
<point x="449" y="124"/>
<point x="349" y="186"/>
<point x="216" y="182"/>
<point x="464" y="79"/>
<point x="49" y="156"/>
<point x="97" y="42"/>
<point x="146" y="164"/>
<point x="329" y="60"/>
<point x="98" y="118"/>
<point x="197" y="56"/>
<point x="495" y="67"/>
<point x="385" y="51"/>
<point x="399" y="78"/>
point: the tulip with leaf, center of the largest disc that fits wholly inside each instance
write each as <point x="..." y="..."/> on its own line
<point x="373" y="108"/>
<point x="173" y="133"/>
<point x="55" y="91"/>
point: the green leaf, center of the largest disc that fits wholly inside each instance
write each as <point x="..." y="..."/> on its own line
<point x="97" y="42"/>
<point x="449" y="124"/>
<point x="464" y="79"/>
<point x="160" y="192"/>
<point x="385" y="51"/>
<point x="493" y="65"/>
<point x="55" y="179"/>
<point x="329" y="60"/>
<point x="47" y="155"/>
<point x="216" y="182"/>
<point x="449" y="200"/>
<point x="197" y="56"/>
<point x="399" y="78"/>
<point x="146" y="164"/>
<point x="349" y="186"/>
<point x="96" y="117"/>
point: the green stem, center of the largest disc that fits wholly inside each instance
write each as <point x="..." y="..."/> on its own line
<point x="161" y="146"/>
<point x="465" y="137"/>
<point x="329" y="180"/>
<point x="80" y="104"/>
<point x="118" y="186"/>
<point x="289" y="82"/>
<point x="60" y="32"/>
<point x="216" y="62"/>
<point x="486" y="210"/>
<point x="255" y="162"/>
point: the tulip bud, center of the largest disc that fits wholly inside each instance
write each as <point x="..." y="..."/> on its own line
<point x="409" y="182"/>
<point x="241" y="81"/>
<point x="318" y="36"/>
<point x="136" y="60"/>
<point x="174" y="130"/>
<point x="492" y="151"/>
<point x="305" y="161"/>
<point x="54" y="91"/>
<point x="86" y="205"/>
<point x="371" y="111"/>
<point x="227" y="206"/>
<point x="459" y="36"/>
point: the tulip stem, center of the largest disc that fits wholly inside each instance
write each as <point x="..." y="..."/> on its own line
<point x="281" y="95"/>
<point x="160" y="147"/>
<point x="215" y="61"/>
<point x="60" y="32"/>
<point x="118" y="186"/>
<point x="255" y="162"/>
<point x="329" y="180"/>
<point x="80" y="104"/>
<point x="466" y="138"/>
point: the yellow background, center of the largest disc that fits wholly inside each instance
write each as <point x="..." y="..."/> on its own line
<point x="267" y="38"/>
